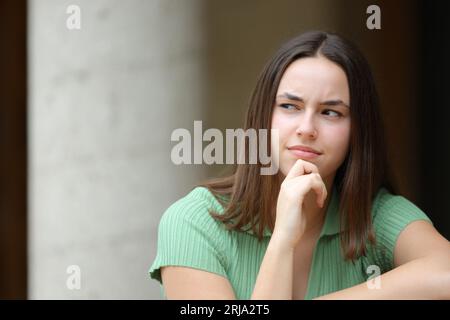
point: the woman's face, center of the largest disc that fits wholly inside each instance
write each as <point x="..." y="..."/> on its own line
<point x="312" y="110"/>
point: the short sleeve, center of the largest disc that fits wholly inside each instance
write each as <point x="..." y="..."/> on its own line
<point x="391" y="215"/>
<point x="188" y="236"/>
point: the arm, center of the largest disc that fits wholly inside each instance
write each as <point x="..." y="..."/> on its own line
<point x="274" y="279"/>
<point x="183" y="283"/>
<point x="422" y="268"/>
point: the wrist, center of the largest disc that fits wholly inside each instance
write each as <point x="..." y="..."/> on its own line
<point x="281" y="241"/>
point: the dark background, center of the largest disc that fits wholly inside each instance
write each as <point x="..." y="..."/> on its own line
<point x="434" y="90"/>
<point x="13" y="150"/>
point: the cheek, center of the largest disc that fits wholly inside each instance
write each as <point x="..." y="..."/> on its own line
<point x="282" y="124"/>
<point x="339" y="139"/>
<point x="277" y="120"/>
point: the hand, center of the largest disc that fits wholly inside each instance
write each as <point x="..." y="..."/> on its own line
<point x="291" y="223"/>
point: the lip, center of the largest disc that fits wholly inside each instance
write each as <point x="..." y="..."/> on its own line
<point x="304" y="152"/>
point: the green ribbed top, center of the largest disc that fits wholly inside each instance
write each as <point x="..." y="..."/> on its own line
<point x="188" y="236"/>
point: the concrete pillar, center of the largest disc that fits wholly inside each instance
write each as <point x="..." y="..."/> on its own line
<point x="103" y="100"/>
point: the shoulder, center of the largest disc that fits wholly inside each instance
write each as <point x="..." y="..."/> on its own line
<point x="387" y="206"/>
<point x="189" y="236"/>
<point x="391" y="214"/>
<point x="192" y="209"/>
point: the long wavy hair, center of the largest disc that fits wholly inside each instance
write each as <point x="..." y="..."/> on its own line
<point x="249" y="198"/>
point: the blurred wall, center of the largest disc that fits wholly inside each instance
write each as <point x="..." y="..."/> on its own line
<point x="103" y="101"/>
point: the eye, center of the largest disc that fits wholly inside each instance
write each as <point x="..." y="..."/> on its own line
<point x="333" y="114"/>
<point x="287" y="106"/>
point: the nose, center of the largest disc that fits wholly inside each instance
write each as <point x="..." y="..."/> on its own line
<point x="306" y="127"/>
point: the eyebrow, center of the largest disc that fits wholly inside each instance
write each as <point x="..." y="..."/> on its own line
<point x="291" y="96"/>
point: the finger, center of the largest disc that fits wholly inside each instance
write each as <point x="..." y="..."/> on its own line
<point x="313" y="182"/>
<point x="324" y="193"/>
<point x="320" y="189"/>
<point x="301" y="167"/>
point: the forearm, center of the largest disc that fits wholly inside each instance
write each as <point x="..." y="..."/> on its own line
<point x="418" y="279"/>
<point x="275" y="275"/>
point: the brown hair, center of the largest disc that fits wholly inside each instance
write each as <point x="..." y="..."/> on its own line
<point x="249" y="198"/>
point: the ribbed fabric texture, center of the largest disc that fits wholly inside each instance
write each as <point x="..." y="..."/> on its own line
<point x="188" y="236"/>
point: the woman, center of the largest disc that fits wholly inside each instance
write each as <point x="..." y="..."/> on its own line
<point x="328" y="224"/>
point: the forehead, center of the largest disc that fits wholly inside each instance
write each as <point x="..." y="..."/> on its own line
<point x="315" y="76"/>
